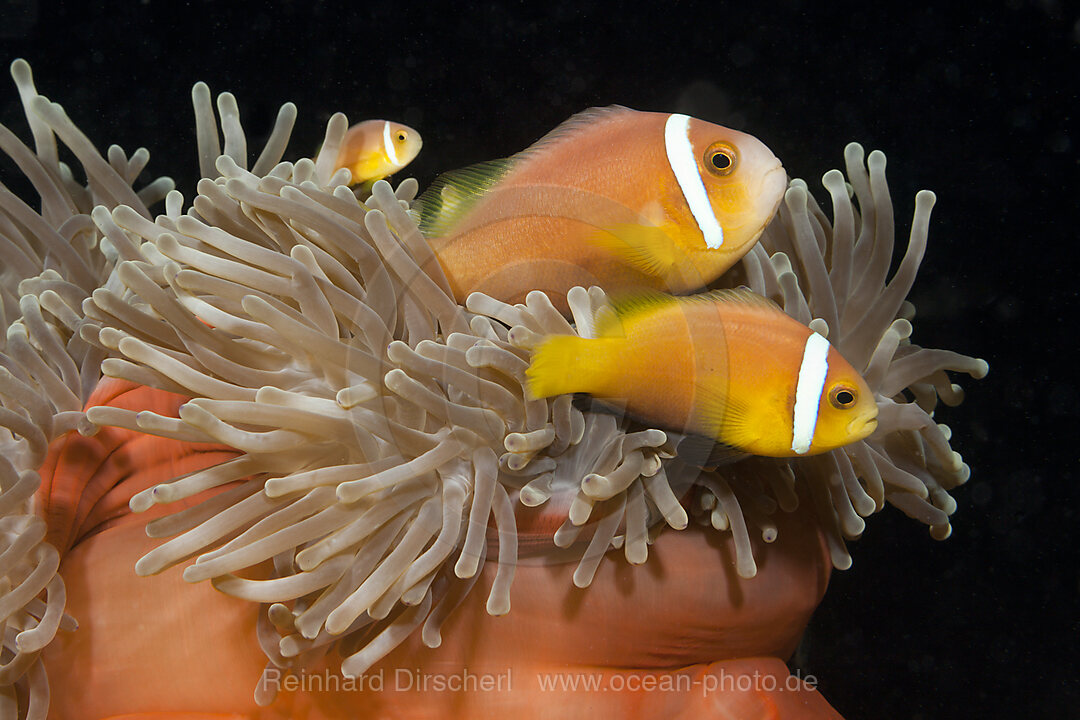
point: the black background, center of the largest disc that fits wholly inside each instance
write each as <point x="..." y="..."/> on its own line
<point x="976" y="105"/>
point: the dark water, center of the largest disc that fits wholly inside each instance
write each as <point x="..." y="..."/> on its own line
<point x="980" y="107"/>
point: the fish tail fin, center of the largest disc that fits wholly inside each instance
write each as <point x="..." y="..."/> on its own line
<point x="564" y="364"/>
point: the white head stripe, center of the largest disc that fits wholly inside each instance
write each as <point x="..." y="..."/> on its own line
<point x="680" y="155"/>
<point x="388" y="144"/>
<point x="812" y="372"/>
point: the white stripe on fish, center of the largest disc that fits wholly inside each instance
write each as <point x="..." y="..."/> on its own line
<point x="388" y="144"/>
<point x="680" y="154"/>
<point x="812" y="372"/>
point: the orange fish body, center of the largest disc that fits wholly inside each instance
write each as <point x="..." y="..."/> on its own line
<point x="612" y="197"/>
<point x="727" y="365"/>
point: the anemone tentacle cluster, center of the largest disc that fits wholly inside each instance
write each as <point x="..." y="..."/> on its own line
<point x="378" y="424"/>
<point x="831" y="275"/>
<point x="53" y="260"/>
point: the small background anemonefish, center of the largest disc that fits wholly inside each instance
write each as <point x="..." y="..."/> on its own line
<point x="374" y="149"/>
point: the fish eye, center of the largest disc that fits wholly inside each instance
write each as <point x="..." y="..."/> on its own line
<point x="401" y="136"/>
<point x="842" y="397"/>
<point x="721" y="159"/>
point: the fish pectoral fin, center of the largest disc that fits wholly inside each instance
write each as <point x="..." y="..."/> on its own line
<point x="705" y="452"/>
<point x="648" y="248"/>
<point x="724" y="417"/>
<point x="363" y="189"/>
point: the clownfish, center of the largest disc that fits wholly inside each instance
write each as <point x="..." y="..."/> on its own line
<point x="374" y="149"/>
<point x="727" y="365"/>
<point x="612" y="197"/>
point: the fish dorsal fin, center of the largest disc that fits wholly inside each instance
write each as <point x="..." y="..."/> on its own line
<point x="454" y="193"/>
<point x="741" y="295"/>
<point x="577" y="122"/>
<point x="627" y="306"/>
<point x="609" y="320"/>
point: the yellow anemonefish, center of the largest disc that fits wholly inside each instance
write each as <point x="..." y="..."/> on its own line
<point x="728" y="365"/>
<point x="612" y="197"/>
<point x="374" y="149"/>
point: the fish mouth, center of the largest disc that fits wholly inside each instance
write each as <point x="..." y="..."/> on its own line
<point x="773" y="186"/>
<point x="775" y="181"/>
<point x="863" y="426"/>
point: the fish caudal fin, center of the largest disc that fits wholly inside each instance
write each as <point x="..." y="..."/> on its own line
<point x="564" y="364"/>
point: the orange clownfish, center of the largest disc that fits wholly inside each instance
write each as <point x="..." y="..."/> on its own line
<point x="374" y="149"/>
<point x="728" y="365"/>
<point x="612" y="197"/>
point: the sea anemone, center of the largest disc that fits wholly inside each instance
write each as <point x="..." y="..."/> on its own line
<point x="378" y="425"/>
<point x="53" y="260"/>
